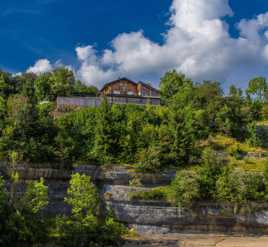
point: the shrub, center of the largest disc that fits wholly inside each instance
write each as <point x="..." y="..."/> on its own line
<point x="265" y="174"/>
<point x="255" y="186"/>
<point x="153" y="194"/>
<point x="254" y="138"/>
<point x="149" y="159"/>
<point x="237" y="151"/>
<point x="83" y="227"/>
<point x="184" y="189"/>
<point x="21" y="220"/>
<point x="212" y="165"/>
<point x="231" y="186"/>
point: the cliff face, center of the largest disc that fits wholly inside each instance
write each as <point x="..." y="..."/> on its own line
<point x="148" y="217"/>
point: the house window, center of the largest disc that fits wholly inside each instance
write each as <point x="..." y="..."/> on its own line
<point x="130" y="93"/>
<point x="116" y="92"/>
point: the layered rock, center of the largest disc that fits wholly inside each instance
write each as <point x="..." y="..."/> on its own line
<point x="147" y="217"/>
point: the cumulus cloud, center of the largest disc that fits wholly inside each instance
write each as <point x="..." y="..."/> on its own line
<point x="197" y="42"/>
<point x="41" y="66"/>
<point x="44" y="65"/>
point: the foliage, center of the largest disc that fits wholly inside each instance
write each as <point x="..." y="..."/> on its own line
<point x="23" y="223"/>
<point x="81" y="195"/>
<point x="231" y="186"/>
<point x="171" y="84"/>
<point x="184" y="189"/>
<point x="168" y="134"/>
<point x="83" y="227"/>
<point x="149" y="159"/>
<point x="159" y="193"/>
<point x="257" y="88"/>
<point x="211" y="169"/>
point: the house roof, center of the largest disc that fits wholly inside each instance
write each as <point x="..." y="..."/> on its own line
<point x="148" y="86"/>
<point x="130" y="81"/>
<point x="118" y="80"/>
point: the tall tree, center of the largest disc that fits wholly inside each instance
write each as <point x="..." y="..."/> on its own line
<point x="104" y="141"/>
<point x="171" y="83"/>
<point x="257" y="88"/>
<point x="62" y="82"/>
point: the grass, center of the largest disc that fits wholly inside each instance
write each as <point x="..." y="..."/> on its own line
<point x="155" y="194"/>
<point x="236" y="152"/>
<point x="262" y="123"/>
<point x="249" y="164"/>
<point x="225" y="143"/>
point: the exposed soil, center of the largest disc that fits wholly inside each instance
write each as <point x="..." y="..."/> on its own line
<point x="205" y="240"/>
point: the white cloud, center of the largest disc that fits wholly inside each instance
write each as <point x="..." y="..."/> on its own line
<point x="197" y="43"/>
<point x="44" y="65"/>
<point x="41" y="66"/>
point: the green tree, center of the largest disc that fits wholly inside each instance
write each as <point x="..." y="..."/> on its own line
<point x="171" y="83"/>
<point x="231" y="187"/>
<point x="25" y="225"/>
<point x="80" y="228"/>
<point x="84" y="90"/>
<point x="83" y="227"/>
<point x="104" y="136"/>
<point x="81" y="195"/>
<point x="187" y="128"/>
<point x="35" y="198"/>
<point x="235" y="92"/>
<point x="4" y="84"/>
<point x="42" y="86"/>
<point x="257" y="88"/>
<point x="207" y="92"/>
<point x="211" y="169"/>
<point x="265" y="174"/>
<point x="4" y="215"/>
<point x="2" y="113"/>
<point x="62" y="82"/>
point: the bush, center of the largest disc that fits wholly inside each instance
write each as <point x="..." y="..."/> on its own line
<point x="231" y="186"/>
<point x="212" y="165"/>
<point x="255" y="186"/>
<point x="237" y="151"/>
<point x="184" y="189"/>
<point x="149" y="159"/>
<point x="254" y="138"/>
<point x="23" y="223"/>
<point x="83" y="227"/>
<point x="153" y="194"/>
<point x="239" y="187"/>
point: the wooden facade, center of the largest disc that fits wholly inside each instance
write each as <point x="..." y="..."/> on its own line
<point x="122" y="91"/>
<point x="126" y="87"/>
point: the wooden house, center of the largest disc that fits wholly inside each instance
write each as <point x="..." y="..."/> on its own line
<point x="126" y="87"/>
<point x="121" y="91"/>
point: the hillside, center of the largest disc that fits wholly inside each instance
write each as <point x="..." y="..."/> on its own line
<point x="195" y="163"/>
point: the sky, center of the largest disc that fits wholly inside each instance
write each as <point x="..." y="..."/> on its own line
<point x="102" y="40"/>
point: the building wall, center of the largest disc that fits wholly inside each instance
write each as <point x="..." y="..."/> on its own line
<point x="121" y="87"/>
<point x="69" y="103"/>
<point x="147" y="91"/>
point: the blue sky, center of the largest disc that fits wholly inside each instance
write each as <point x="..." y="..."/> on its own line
<point x="33" y="29"/>
<point x="53" y="29"/>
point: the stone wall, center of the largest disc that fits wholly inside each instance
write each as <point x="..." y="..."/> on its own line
<point x="148" y="217"/>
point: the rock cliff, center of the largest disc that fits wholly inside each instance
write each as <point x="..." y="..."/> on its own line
<point x="147" y="217"/>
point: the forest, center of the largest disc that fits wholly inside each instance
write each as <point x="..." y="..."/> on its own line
<point x="215" y="140"/>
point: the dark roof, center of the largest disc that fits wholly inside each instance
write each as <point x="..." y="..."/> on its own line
<point x="120" y="79"/>
<point x="148" y="86"/>
<point x="130" y="81"/>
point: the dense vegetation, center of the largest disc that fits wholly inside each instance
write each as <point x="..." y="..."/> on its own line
<point x="152" y="137"/>
<point x="198" y="130"/>
<point x="24" y="222"/>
